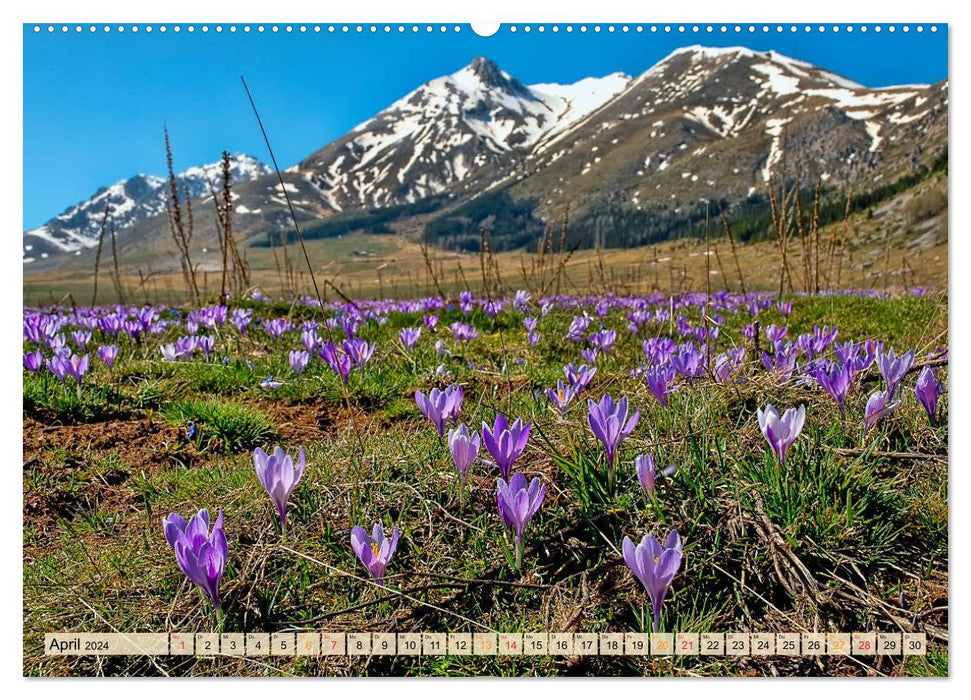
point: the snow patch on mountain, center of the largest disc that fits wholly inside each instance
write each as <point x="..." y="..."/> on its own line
<point x="574" y="102"/>
<point x="448" y="130"/>
<point x="131" y="201"/>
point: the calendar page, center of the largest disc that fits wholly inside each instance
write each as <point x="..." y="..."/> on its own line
<point x="611" y="349"/>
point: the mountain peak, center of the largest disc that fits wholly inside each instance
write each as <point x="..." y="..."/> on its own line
<point x="130" y="201"/>
<point x="487" y="71"/>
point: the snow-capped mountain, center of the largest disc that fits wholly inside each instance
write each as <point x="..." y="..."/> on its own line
<point x="717" y="125"/>
<point x="129" y="202"/>
<point x="706" y="123"/>
<point x="448" y="132"/>
<point x="632" y="155"/>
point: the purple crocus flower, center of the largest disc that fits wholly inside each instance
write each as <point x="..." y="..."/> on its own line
<point x="77" y="367"/>
<point x="927" y="390"/>
<point x="529" y="323"/>
<point x="430" y="321"/>
<point x="464" y="447"/>
<point x="518" y="503"/>
<point x="492" y="308"/>
<point x="836" y="381"/>
<point x="579" y="377"/>
<point x="781" y="431"/>
<point x="465" y="302"/>
<point x="578" y="326"/>
<point x="775" y="333"/>
<point x="784" y="307"/>
<point x="783" y="362"/>
<point x="504" y="442"/>
<point x="241" y="318"/>
<point x="409" y="336"/>
<point x="603" y="339"/>
<point x="463" y="331"/>
<point x="814" y="344"/>
<point x="877" y="406"/>
<point x="279" y="477"/>
<point x="659" y="382"/>
<point x="894" y="368"/>
<point x="655" y="567"/>
<point x="108" y="354"/>
<point x="521" y="300"/>
<point x="299" y="360"/>
<point x="610" y="424"/>
<point x="33" y="360"/>
<point x="440" y="406"/>
<point x="689" y="362"/>
<point x="81" y="338"/>
<point x="658" y="351"/>
<point x="206" y="344"/>
<point x="310" y="339"/>
<point x="336" y="359"/>
<point x="276" y="327"/>
<point x="201" y="554"/>
<point x="58" y="367"/>
<point x="58" y="344"/>
<point x="589" y="355"/>
<point x="562" y="395"/>
<point x="725" y="367"/>
<point x="867" y="355"/>
<point x="186" y="346"/>
<point x="358" y="351"/>
<point x="349" y="325"/>
<point x="375" y="552"/>
<point x="644" y="465"/>
<point x="848" y="353"/>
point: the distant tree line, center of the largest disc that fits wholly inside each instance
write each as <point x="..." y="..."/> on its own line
<point x="367" y="221"/>
<point x="510" y="223"/>
<point x="609" y="221"/>
<point x="619" y="226"/>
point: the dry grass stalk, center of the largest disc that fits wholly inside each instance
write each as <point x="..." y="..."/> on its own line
<point x="804" y="241"/>
<point x="181" y="234"/>
<point x="731" y="243"/>
<point x="117" y="275"/>
<point x="286" y="195"/>
<point x="430" y="268"/>
<point x="814" y="226"/>
<point x="707" y="282"/>
<point x="598" y="251"/>
<point x="223" y="255"/>
<point x="97" y="255"/>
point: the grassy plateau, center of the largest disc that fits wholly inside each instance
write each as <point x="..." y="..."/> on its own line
<point x="848" y="533"/>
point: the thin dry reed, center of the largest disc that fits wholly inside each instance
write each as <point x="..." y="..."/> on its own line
<point x="181" y="233"/>
<point x="97" y="255"/>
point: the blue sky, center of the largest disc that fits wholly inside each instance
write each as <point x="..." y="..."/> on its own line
<point x="94" y="103"/>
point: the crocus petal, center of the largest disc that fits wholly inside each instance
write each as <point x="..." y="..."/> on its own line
<point x="361" y="544"/>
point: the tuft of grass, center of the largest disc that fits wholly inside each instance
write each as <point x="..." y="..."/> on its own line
<point x="934" y="664"/>
<point x="44" y="394"/>
<point x="228" y="425"/>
